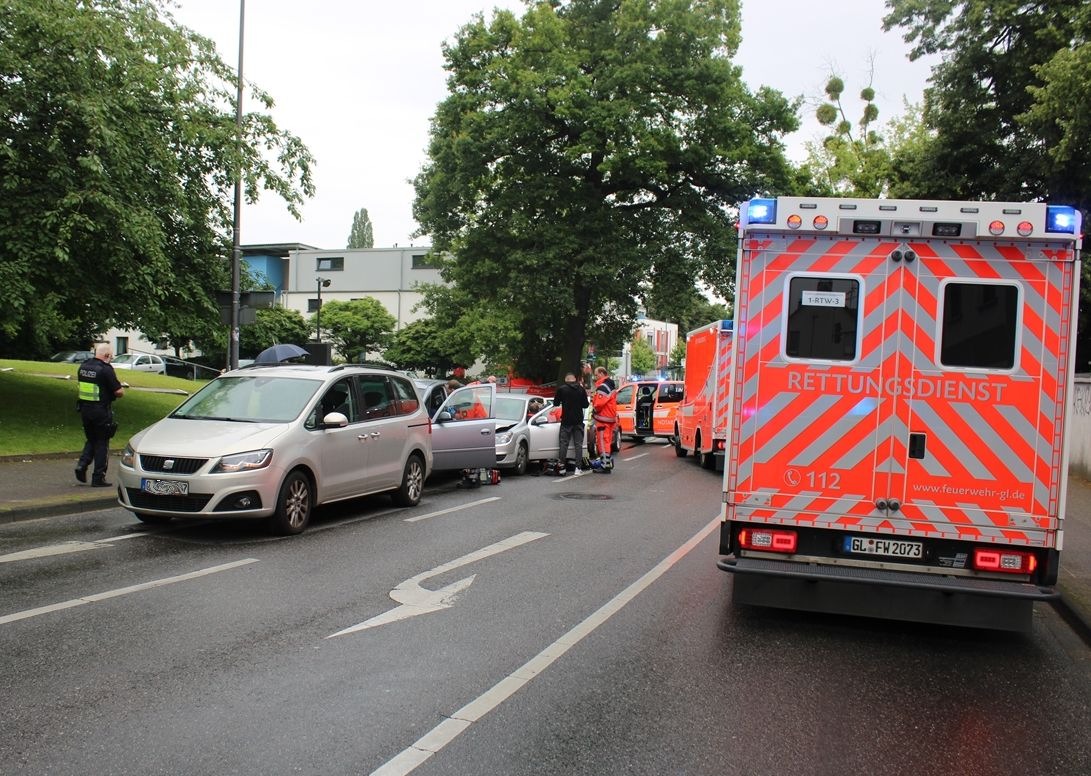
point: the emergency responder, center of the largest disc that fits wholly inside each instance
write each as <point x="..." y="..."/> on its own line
<point x="604" y="414"/>
<point x="98" y="387"/>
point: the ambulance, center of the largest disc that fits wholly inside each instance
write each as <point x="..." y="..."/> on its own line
<point x="701" y="420"/>
<point x="647" y="409"/>
<point x="900" y="407"/>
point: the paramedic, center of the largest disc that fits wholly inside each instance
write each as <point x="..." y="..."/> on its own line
<point x="604" y="415"/>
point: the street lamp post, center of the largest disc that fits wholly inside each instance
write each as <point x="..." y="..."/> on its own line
<point x="321" y="283"/>
<point x="236" y="250"/>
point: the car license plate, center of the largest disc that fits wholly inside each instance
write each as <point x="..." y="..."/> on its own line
<point x="165" y="487"/>
<point x="869" y="545"/>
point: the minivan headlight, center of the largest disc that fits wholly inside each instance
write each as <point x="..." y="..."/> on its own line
<point x="128" y="456"/>
<point x="243" y="462"/>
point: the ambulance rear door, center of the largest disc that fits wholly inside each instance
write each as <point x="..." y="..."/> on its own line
<point x="808" y="438"/>
<point x="980" y="399"/>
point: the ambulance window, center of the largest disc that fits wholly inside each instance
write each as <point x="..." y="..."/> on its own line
<point x="979" y="322"/>
<point x="823" y="318"/>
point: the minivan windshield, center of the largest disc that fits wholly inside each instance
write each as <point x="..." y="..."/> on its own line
<point x="250" y="398"/>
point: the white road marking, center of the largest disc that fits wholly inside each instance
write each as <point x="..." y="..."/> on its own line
<point x="445" y="732"/>
<point x="122" y="591"/>
<point x="633" y="458"/>
<point x="451" y="509"/>
<point x="53" y="549"/>
<point x="415" y="599"/>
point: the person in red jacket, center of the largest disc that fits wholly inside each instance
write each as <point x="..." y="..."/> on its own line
<point x="604" y="415"/>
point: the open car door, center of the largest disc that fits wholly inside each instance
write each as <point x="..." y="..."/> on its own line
<point x="464" y="430"/>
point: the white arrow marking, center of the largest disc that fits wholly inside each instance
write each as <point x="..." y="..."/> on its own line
<point x="415" y="599"/>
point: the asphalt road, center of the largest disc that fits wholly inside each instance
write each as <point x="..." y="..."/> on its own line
<point x="542" y="626"/>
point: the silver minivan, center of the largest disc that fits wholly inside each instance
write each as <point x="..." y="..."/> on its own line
<point x="276" y="441"/>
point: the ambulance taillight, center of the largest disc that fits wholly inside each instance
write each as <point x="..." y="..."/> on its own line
<point x="1004" y="560"/>
<point x="768" y="540"/>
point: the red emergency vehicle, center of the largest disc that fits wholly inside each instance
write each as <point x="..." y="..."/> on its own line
<point x="701" y="422"/>
<point x="899" y="407"/>
<point x="647" y="408"/>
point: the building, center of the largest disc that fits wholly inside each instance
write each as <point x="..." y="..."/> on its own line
<point x="390" y="275"/>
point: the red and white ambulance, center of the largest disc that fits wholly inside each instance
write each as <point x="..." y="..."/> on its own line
<point x="899" y="411"/>
<point x="701" y="420"/>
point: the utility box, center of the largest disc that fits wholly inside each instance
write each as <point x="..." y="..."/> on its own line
<point x="318" y="353"/>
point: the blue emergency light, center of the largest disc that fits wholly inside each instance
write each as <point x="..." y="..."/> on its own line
<point x="761" y="211"/>
<point x="1061" y="218"/>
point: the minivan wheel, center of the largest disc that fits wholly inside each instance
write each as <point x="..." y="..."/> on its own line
<point x="680" y="451"/>
<point x="412" y="487"/>
<point x="294" y="505"/>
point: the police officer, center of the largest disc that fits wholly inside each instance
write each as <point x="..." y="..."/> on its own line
<point x="98" y="387"/>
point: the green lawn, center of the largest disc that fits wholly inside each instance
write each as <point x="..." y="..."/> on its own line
<point x="38" y="406"/>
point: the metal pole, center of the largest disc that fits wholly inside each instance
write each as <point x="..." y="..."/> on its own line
<point x="236" y="251"/>
<point x="318" y="313"/>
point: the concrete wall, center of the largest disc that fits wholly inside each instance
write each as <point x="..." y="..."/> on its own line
<point x="1079" y="461"/>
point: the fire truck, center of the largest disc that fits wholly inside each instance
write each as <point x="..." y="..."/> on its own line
<point x="899" y="407"/>
<point x="701" y="421"/>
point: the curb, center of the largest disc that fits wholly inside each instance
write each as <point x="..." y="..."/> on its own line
<point x="14" y="512"/>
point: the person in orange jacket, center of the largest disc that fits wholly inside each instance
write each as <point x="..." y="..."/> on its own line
<point x="604" y="415"/>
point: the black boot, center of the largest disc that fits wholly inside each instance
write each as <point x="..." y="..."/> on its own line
<point x="100" y="483"/>
<point x="81" y="473"/>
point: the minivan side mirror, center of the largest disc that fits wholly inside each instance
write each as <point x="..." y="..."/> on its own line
<point x="335" y="420"/>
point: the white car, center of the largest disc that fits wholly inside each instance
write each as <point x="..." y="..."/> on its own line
<point x="276" y="441"/>
<point x="140" y="362"/>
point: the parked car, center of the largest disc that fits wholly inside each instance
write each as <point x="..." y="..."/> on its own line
<point x="140" y="362"/>
<point x="274" y="442"/>
<point x="72" y="356"/>
<point x="513" y="431"/>
<point x="647" y="408"/>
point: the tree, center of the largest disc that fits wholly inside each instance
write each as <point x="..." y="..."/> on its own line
<point x="427" y="346"/>
<point x="852" y="160"/>
<point x="361" y="235"/>
<point x="678" y="353"/>
<point x="1007" y="109"/>
<point x="273" y="326"/>
<point x="579" y="146"/>
<point x="118" y="152"/>
<point x="641" y="357"/>
<point x="357" y="327"/>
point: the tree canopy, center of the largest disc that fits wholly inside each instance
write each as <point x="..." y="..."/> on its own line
<point x="118" y="152"/>
<point x="361" y="235"/>
<point x="580" y="147"/>
<point x="357" y="327"/>
<point x="273" y="326"/>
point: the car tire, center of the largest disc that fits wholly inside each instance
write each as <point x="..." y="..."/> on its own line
<point x="639" y="440"/>
<point x="147" y="519"/>
<point x="294" y="505"/>
<point x="412" y="487"/>
<point x="680" y="451"/>
<point x="522" y="458"/>
<point x="708" y="461"/>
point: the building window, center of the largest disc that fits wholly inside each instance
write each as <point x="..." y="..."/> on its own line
<point x="122" y="346"/>
<point x="329" y="264"/>
<point x="312" y="305"/>
<point x="421" y="261"/>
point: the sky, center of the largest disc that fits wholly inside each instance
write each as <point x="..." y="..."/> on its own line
<point x="359" y="80"/>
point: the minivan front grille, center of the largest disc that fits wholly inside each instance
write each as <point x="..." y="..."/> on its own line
<point x="194" y="502"/>
<point x="168" y="465"/>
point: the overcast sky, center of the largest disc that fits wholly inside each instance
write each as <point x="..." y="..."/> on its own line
<point x="358" y="82"/>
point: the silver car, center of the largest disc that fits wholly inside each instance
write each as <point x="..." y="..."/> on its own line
<point x="274" y="442"/>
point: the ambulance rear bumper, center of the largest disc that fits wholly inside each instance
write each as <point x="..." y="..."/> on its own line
<point x="812" y="572"/>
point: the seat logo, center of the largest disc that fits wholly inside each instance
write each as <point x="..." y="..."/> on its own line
<point x="168" y="464"/>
